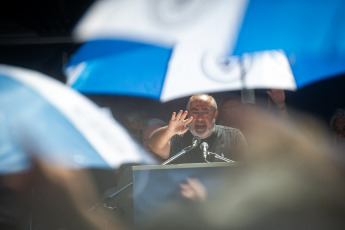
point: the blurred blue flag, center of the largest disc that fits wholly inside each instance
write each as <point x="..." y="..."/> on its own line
<point x="170" y="49"/>
<point x="42" y="119"/>
<point x="312" y="34"/>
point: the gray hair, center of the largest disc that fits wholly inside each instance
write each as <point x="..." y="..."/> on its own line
<point x="340" y="112"/>
<point x="213" y="101"/>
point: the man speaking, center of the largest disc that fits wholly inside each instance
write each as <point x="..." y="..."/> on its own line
<point x="198" y="120"/>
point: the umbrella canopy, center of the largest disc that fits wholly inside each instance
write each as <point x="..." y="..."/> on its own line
<point x="119" y="67"/>
<point x="312" y="34"/>
<point x="135" y="69"/>
<point x="41" y="118"/>
<point x="197" y="43"/>
<point x="166" y="50"/>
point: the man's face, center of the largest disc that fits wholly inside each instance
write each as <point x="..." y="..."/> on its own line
<point x="203" y="115"/>
<point x="339" y="129"/>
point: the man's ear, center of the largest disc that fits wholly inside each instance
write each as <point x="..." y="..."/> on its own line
<point x="216" y="115"/>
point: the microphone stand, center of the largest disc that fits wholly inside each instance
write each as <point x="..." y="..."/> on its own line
<point x="113" y="195"/>
<point x="220" y="157"/>
<point x="182" y="152"/>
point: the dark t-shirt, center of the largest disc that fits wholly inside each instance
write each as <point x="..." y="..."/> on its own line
<point x="225" y="141"/>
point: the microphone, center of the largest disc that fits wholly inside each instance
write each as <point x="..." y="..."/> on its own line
<point x="196" y="141"/>
<point x="204" y="148"/>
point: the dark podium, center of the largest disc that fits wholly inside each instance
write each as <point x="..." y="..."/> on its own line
<point x="155" y="186"/>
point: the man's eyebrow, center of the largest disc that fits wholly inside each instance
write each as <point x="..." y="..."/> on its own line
<point x="203" y="109"/>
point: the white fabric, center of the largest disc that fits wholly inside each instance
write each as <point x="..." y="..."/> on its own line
<point x="109" y="138"/>
<point x="202" y="33"/>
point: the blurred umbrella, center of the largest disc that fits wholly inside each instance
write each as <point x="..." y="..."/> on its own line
<point x="137" y="69"/>
<point x="192" y="46"/>
<point x="166" y="50"/>
<point x="43" y="119"/>
<point x="312" y="34"/>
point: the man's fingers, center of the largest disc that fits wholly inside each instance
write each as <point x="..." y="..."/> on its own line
<point x="269" y="93"/>
<point x="173" y="116"/>
<point x="178" y="116"/>
<point x="189" y="120"/>
<point x="276" y="92"/>
<point x="184" y="115"/>
<point x="193" y="190"/>
<point x="195" y="184"/>
<point x="187" y="193"/>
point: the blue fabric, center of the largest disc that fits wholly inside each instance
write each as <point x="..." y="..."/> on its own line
<point x="31" y="125"/>
<point x="312" y="34"/>
<point x="121" y="68"/>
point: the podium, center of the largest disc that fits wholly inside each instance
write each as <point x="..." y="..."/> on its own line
<point x="155" y="186"/>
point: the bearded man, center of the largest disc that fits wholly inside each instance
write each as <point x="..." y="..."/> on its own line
<point x="198" y="120"/>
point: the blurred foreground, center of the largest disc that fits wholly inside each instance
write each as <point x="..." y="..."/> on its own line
<point x="292" y="178"/>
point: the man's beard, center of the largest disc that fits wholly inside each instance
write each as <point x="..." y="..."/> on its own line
<point x="208" y="132"/>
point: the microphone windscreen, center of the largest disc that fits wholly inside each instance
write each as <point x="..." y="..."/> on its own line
<point x="204" y="145"/>
<point x="196" y="140"/>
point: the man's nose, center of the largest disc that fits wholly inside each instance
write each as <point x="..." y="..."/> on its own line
<point x="199" y="116"/>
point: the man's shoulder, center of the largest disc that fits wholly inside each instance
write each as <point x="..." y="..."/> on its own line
<point x="221" y="128"/>
<point x="227" y="132"/>
<point x="230" y="134"/>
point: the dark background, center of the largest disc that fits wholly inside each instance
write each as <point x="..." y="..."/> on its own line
<point x="37" y="35"/>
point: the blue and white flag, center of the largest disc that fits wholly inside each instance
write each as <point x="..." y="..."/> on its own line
<point x="43" y="119"/>
<point x="206" y="46"/>
<point x="311" y="33"/>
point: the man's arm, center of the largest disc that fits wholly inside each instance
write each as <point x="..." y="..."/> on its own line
<point x="159" y="140"/>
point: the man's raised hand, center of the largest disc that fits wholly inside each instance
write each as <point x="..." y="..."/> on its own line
<point x="178" y="122"/>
